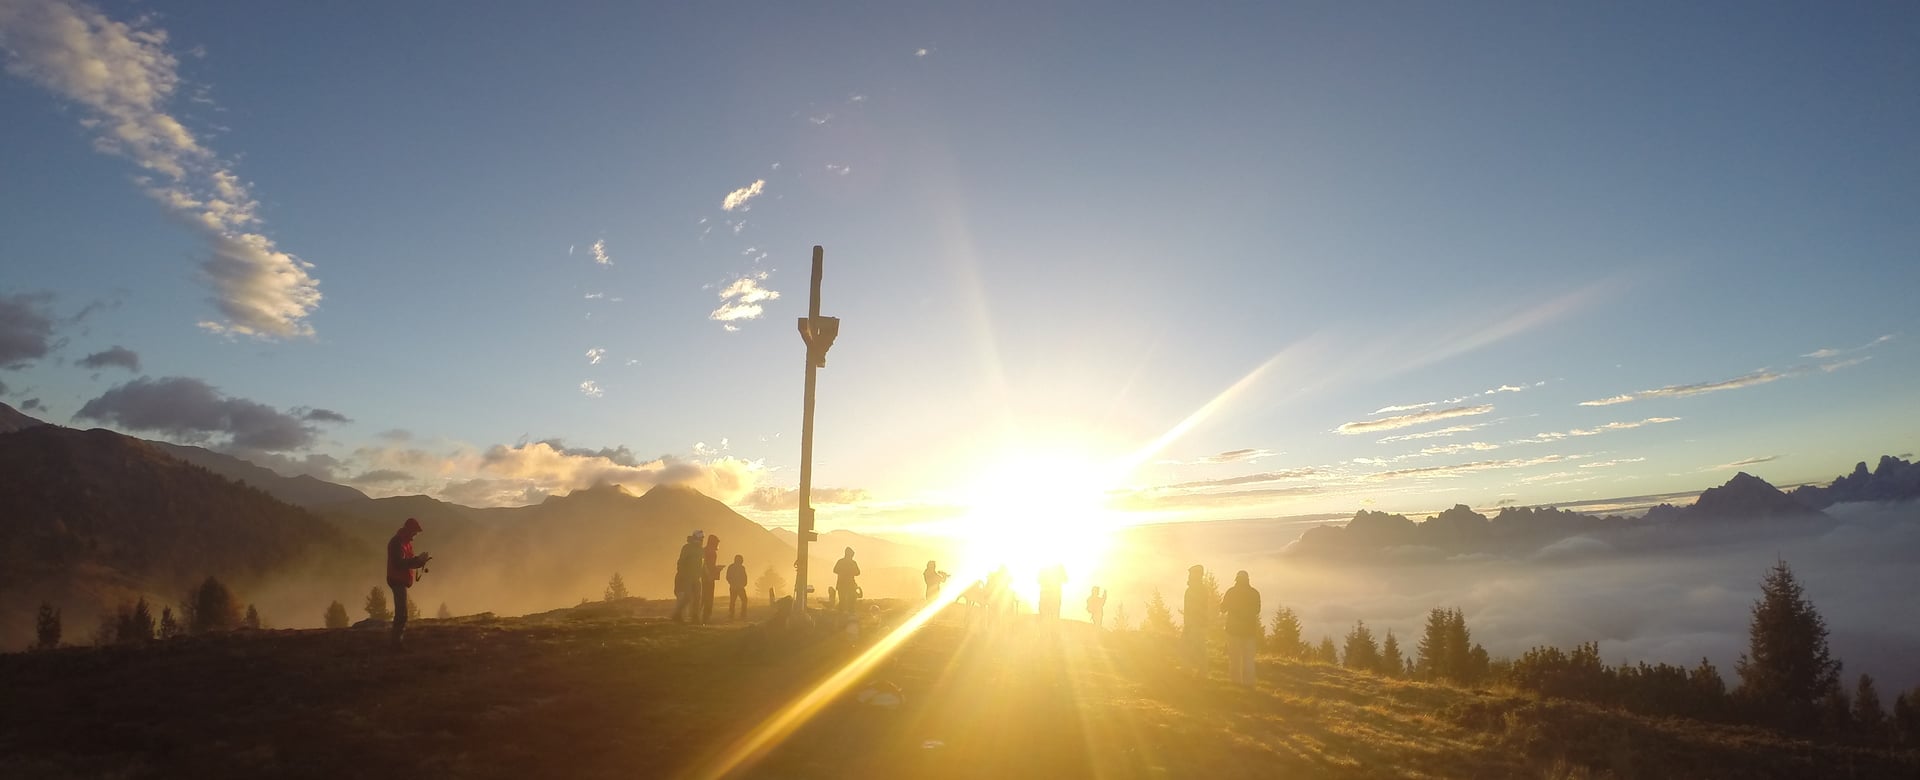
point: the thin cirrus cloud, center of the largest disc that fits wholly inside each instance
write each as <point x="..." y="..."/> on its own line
<point x="742" y="299"/>
<point x="1433" y="434"/>
<point x="737" y="199"/>
<point x="1248" y="479"/>
<point x="1823" y="354"/>
<point x="123" y="77"/>
<point x="1761" y="377"/>
<point x="1467" y="468"/>
<point x="1551" y="436"/>
<point x="1497" y="390"/>
<point x="1742" y="462"/>
<point x="1409" y="420"/>
<point x="1244" y="455"/>
<point x="1602" y="464"/>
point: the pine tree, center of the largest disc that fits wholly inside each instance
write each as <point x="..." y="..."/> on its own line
<point x="1327" y="654"/>
<point x="252" y="620"/>
<point x="1433" y="662"/>
<point x="1460" y="656"/>
<point x="1159" y="618"/>
<point x="1284" y="639"/>
<point x="413" y="610"/>
<point x="1787" y="672"/>
<point x="1119" y="622"/>
<point x="616" y="588"/>
<point x="1836" y="712"/>
<point x="336" y="616"/>
<point x="376" y="605"/>
<point x="1868" y="717"/>
<point x="1362" y="652"/>
<point x="46" y="628"/>
<point x="1479" y="663"/>
<point x="214" y="608"/>
<point x="1391" y="663"/>
<point x="771" y="581"/>
<point x="170" y="628"/>
<point x="139" y="624"/>
<point x="443" y="614"/>
<point x="1906" y="718"/>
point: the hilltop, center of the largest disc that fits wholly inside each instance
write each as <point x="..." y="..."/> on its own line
<point x="613" y="690"/>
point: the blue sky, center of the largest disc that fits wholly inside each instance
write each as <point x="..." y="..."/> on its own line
<point x="1053" y="234"/>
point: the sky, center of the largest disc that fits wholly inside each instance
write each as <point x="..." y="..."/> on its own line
<point x="1251" y="261"/>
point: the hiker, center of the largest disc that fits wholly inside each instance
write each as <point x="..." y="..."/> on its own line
<point x="400" y="565"/>
<point x="686" y="578"/>
<point x="709" y="575"/>
<point x="1193" y="632"/>
<point x="1242" y="605"/>
<point x="935" y="579"/>
<point x="737" y="586"/>
<point x="845" y="569"/>
<point x="1097" y="608"/>
<point x="1052" y="578"/>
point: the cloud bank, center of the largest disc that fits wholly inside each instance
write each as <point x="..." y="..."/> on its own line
<point x="194" y="411"/>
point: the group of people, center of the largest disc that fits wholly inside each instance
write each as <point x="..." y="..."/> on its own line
<point x="696" y="574"/>
<point x="1241" y="606"/>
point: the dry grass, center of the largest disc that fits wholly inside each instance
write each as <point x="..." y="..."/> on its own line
<point x="619" y="692"/>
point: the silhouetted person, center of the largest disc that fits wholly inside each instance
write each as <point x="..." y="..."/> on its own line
<point x="1052" y="579"/>
<point x="709" y="575"/>
<point x="1193" y="631"/>
<point x="999" y="596"/>
<point x="737" y="586"/>
<point x="1242" y="605"/>
<point x="400" y="565"/>
<point x="935" y="579"/>
<point x="845" y="570"/>
<point x="686" y="578"/>
<point x="1097" y="608"/>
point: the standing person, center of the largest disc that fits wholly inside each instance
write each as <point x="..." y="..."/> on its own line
<point x="1193" y="631"/>
<point x="1052" y="579"/>
<point x="1242" y="605"/>
<point x="709" y="575"/>
<point x="1097" y="608"/>
<point x="737" y="586"/>
<point x="935" y="579"/>
<point x="686" y="578"/>
<point x="845" y="569"/>
<point x="400" y="565"/>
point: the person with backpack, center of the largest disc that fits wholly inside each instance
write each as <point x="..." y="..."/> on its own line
<point x="1242" y="606"/>
<point x="737" y="586"/>
<point x="1193" y="629"/>
<point x="845" y="570"/>
<point x="709" y="575"/>
<point x="400" y="565"/>
<point x="687" y="573"/>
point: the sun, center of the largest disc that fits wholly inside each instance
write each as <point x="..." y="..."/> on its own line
<point x="1036" y="509"/>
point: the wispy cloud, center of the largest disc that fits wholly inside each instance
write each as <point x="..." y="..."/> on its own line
<point x="1742" y="462"/>
<point x="1459" y="399"/>
<point x="591" y="389"/>
<point x="737" y="199"/>
<point x="1542" y="438"/>
<point x="114" y="357"/>
<point x="1467" y="468"/>
<point x="837" y="168"/>
<point x="599" y="250"/>
<point x="1404" y="407"/>
<point x="1610" y="463"/>
<point x="920" y="52"/>
<point x="595" y="355"/>
<point x="1407" y="420"/>
<point x="741" y="300"/>
<point x="1455" y="449"/>
<point x="1246" y="455"/>
<point x="1248" y="479"/>
<point x="1434" y="434"/>
<point x="122" y="75"/>
<point x="1823" y="354"/>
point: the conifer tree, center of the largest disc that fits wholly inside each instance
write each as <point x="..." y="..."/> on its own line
<point x="46" y="628"/>
<point x="1327" y="654"/>
<point x="170" y="628"/>
<point x="1460" y="657"/>
<point x="336" y="616"/>
<point x="413" y="610"/>
<point x="1362" y="652"/>
<point x="1159" y="618"/>
<point x="443" y="614"/>
<point x="1120" y="619"/>
<point x="1391" y="663"/>
<point x="1787" y="672"/>
<point x="1906" y="718"/>
<point x="616" y="588"/>
<point x="1284" y="639"/>
<point x="1868" y="716"/>
<point x="771" y="581"/>
<point x="376" y="605"/>
<point x="252" y="620"/>
<point x="1433" y="663"/>
<point x="214" y="608"/>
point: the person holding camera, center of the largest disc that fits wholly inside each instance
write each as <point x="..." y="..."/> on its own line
<point x="400" y="565"/>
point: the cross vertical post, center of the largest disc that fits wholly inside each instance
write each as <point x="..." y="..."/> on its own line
<point x="817" y="333"/>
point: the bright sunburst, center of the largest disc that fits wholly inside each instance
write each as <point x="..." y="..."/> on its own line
<point x="1035" y="509"/>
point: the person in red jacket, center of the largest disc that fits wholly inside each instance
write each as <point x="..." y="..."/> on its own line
<point x="400" y="565"/>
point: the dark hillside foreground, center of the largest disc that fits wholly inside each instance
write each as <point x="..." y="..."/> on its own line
<point x="615" y="690"/>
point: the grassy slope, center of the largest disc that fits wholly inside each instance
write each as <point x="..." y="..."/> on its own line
<point x="618" y="692"/>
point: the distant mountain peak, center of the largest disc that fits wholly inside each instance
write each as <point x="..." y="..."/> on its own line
<point x="1746" y="496"/>
<point x="12" y="419"/>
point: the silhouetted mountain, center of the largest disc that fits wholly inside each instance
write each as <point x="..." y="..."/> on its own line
<point x="1745" y="497"/>
<point x="92" y="517"/>
<point x="1895" y="479"/>
<point x="302" y="490"/>
<point x="12" y="419"/>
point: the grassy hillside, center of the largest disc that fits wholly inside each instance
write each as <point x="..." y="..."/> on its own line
<point x="615" y="691"/>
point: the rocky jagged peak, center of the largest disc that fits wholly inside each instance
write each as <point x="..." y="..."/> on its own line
<point x="1747" y="497"/>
